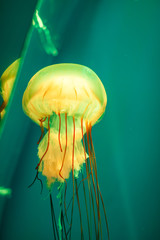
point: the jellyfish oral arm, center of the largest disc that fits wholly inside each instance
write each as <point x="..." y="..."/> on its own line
<point x="57" y="162"/>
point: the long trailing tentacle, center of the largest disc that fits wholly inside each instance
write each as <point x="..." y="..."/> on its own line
<point x="95" y="167"/>
<point x="89" y="229"/>
<point x="94" y="216"/>
<point x="72" y="174"/>
<point x="54" y="223"/>
<point x="93" y="181"/>
<point x="82" y="236"/>
<point x="96" y="180"/>
<point x="88" y="180"/>
<point x="65" y="150"/>
<point x="63" y="225"/>
<point x="95" y="172"/>
<point x="91" y="200"/>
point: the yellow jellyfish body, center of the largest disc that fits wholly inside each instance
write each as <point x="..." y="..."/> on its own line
<point x="64" y="98"/>
<point x="7" y="82"/>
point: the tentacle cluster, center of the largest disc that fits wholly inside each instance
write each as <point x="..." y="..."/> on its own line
<point x="62" y="152"/>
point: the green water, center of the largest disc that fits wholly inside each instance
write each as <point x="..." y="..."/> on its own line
<point x="119" y="40"/>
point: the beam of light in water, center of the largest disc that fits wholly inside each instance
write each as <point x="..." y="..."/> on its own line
<point x="45" y="35"/>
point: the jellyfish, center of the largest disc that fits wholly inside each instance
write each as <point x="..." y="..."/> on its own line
<point x="7" y="81"/>
<point x="66" y="100"/>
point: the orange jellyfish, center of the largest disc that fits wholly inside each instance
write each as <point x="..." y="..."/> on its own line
<point x="66" y="100"/>
<point x="7" y="81"/>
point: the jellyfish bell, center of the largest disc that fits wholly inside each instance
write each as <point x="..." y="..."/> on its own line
<point x="67" y="100"/>
<point x="63" y="91"/>
<point x="62" y="88"/>
<point x="7" y="81"/>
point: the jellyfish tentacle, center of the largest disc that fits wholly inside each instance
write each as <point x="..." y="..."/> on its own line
<point x="62" y="227"/>
<point x="95" y="172"/>
<point x="74" y="130"/>
<point x="47" y="145"/>
<point x="93" y="181"/>
<point x="59" y="137"/>
<point x="33" y="180"/>
<point x="82" y="236"/>
<point x="43" y="120"/>
<point x="36" y="177"/>
<point x="42" y="129"/>
<point x="42" y="133"/>
<point x="63" y="223"/>
<point x="86" y="207"/>
<point x="64" y="151"/>
<point x="40" y="182"/>
<point x="72" y="173"/>
<point x="83" y="141"/>
<point x="94" y="215"/>
<point x="85" y="178"/>
<point x="85" y="110"/>
<point x="88" y="179"/>
<point x="65" y="205"/>
<point x="88" y="174"/>
<point x="105" y="215"/>
<point x="62" y="230"/>
<point x="62" y="168"/>
<point x="96" y="180"/>
<point x="92" y="202"/>
<point x="54" y="224"/>
<point x="94" y="158"/>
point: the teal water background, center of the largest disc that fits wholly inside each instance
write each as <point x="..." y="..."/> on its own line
<point x="119" y="40"/>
